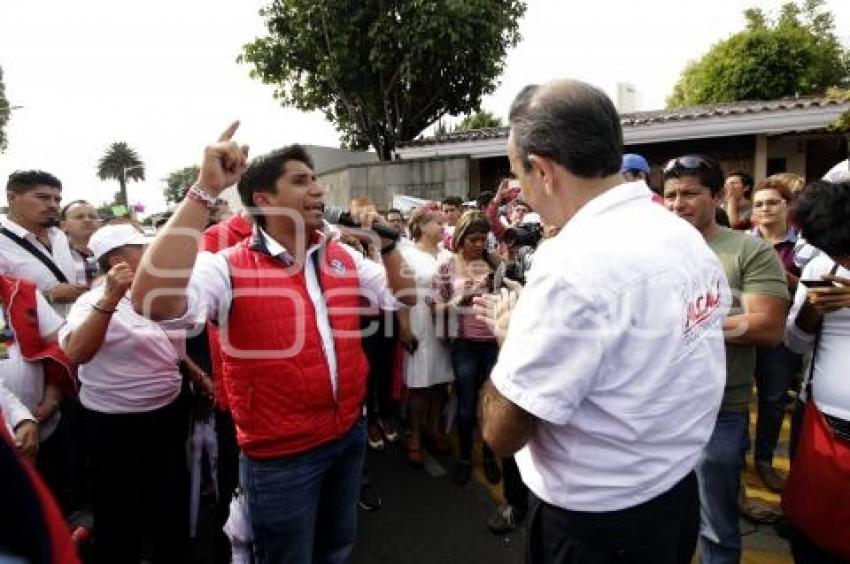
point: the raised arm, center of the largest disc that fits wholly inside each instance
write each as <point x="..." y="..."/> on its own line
<point x="83" y="343"/>
<point x="159" y="290"/>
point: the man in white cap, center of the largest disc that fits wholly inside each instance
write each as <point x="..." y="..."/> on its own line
<point x="134" y="421"/>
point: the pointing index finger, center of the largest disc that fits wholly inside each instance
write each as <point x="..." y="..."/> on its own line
<point x="227" y="134"/>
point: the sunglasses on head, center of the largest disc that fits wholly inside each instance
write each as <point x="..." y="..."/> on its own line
<point x="689" y="163"/>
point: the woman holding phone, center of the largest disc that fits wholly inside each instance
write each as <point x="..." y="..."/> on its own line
<point x="464" y="275"/>
<point x="775" y="366"/>
<point x="427" y="364"/>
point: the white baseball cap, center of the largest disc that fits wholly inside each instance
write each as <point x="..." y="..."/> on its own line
<point x="110" y="237"/>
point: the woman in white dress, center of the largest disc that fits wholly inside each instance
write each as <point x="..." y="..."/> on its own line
<point x="428" y="366"/>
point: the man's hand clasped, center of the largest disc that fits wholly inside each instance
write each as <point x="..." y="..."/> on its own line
<point x="495" y="309"/>
<point x="26" y="438"/>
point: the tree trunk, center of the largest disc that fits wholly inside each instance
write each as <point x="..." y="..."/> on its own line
<point x="123" y="191"/>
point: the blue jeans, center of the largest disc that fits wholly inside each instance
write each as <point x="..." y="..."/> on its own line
<point x="304" y="507"/>
<point x="775" y="369"/>
<point x="472" y="362"/>
<point x="719" y="475"/>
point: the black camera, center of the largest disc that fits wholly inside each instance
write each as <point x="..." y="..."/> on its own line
<point x="524" y="235"/>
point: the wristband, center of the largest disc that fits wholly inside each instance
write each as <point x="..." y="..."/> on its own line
<point x="201" y="196"/>
<point x="103" y="310"/>
<point x="388" y="248"/>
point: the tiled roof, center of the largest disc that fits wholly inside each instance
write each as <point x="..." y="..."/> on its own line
<point x="638" y="119"/>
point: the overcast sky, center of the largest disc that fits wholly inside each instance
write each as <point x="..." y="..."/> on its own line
<point x="161" y="75"/>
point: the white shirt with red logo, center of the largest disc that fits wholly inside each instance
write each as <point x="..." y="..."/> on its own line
<point x="616" y="346"/>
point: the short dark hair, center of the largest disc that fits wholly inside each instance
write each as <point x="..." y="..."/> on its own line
<point x="822" y="212"/>
<point x="22" y="181"/>
<point x="746" y="179"/>
<point x="483" y="199"/>
<point x="452" y="201"/>
<point x="573" y="123"/>
<point x="395" y="210"/>
<point x="702" y="167"/>
<point x="64" y="211"/>
<point x="263" y="172"/>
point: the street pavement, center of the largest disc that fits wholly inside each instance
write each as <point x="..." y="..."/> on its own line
<point x="427" y="519"/>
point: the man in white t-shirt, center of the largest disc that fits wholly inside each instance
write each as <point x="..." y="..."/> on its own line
<point x="612" y="368"/>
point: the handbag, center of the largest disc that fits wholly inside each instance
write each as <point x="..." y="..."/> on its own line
<point x="816" y="498"/>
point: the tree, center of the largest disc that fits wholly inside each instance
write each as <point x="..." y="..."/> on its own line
<point x="384" y="70"/>
<point x="178" y="183"/>
<point x="842" y="122"/>
<point x="5" y="112"/>
<point x="798" y="53"/>
<point x="122" y="163"/>
<point x="479" y="120"/>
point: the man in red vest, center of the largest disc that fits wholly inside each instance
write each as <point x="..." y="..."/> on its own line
<point x="287" y="302"/>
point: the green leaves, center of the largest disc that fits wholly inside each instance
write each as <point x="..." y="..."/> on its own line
<point x="383" y="70"/>
<point x="479" y="120"/>
<point x="797" y="54"/>
<point x="5" y="112"/>
<point x="120" y="162"/>
<point x="178" y="182"/>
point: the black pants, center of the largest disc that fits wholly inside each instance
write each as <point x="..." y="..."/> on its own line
<point x="228" y="480"/>
<point x="515" y="490"/>
<point x="379" y="347"/>
<point x="662" y="530"/>
<point x="141" y="484"/>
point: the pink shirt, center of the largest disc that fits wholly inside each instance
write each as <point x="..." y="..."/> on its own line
<point x="450" y="282"/>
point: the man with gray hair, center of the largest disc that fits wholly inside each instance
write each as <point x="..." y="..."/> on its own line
<point x="612" y="368"/>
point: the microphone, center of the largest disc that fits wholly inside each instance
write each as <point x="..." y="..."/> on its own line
<point x="341" y="216"/>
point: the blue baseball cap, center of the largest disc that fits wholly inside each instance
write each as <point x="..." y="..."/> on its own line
<point x="632" y="161"/>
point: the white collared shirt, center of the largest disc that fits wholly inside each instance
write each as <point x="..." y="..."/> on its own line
<point x="12" y="409"/>
<point x="616" y="346"/>
<point x="136" y="368"/>
<point x="210" y="293"/>
<point x="18" y="262"/>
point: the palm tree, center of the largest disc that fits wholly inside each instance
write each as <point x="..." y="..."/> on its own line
<point x="122" y="163"/>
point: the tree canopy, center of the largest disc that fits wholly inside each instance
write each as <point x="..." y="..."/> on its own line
<point x="479" y="120"/>
<point x="796" y="53"/>
<point x="120" y="162"/>
<point x="5" y="112"/>
<point x="178" y="183"/>
<point x="382" y="71"/>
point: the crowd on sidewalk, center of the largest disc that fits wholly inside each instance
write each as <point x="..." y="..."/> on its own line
<point x="598" y="337"/>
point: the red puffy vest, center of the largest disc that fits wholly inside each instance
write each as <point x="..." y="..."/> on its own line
<point x="276" y="374"/>
<point x="215" y="238"/>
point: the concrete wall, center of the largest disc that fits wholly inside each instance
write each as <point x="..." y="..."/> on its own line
<point x="432" y="179"/>
<point x="330" y="158"/>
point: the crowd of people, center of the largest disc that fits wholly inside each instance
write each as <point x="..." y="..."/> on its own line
<point x="595" y="338"/>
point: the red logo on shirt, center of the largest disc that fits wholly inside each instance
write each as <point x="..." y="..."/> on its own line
<point x="703" y="306"/>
